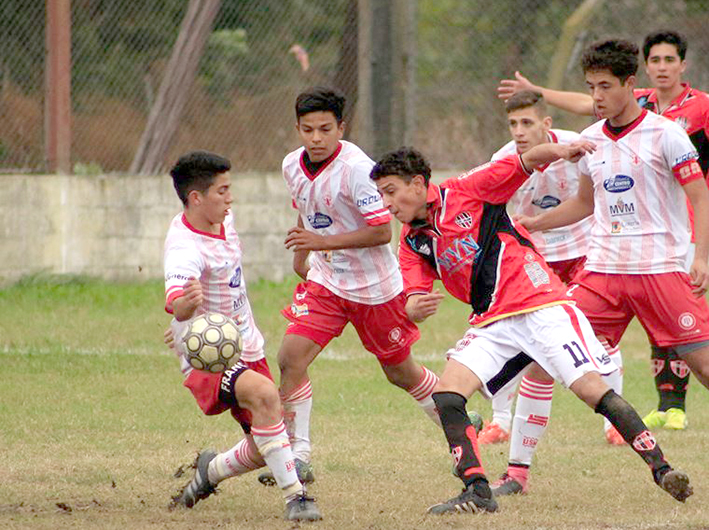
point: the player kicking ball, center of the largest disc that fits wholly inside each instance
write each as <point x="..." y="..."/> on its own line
<point x="203" y="273"/>
<point x="460" y="233"/>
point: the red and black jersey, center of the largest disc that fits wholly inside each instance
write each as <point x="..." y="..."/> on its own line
<point x="690" y="110"/>
<point x="470" y="243"/>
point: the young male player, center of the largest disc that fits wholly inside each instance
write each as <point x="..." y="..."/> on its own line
<point x="460" y="233"/>
<point x="636" y="185"/>
<point x="664" y="52"/>
<point x="203" y="273"/>
<point x="353" y="276"/>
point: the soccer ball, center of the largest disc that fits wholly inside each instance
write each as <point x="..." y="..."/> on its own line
<point x="212" y="342"/>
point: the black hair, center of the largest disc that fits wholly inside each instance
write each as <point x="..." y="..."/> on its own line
<point x="405" y="162"/>
<point x="665" y="36"/>
<point x="320" y="99"/>
<point x="618" y="56"/>
<point x="196" y="171"/>
<point x="525" y="99"/>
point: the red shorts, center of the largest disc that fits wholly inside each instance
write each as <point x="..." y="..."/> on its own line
<point x="320" y="315"/>
<point x="663" y="303"/>
<point x="205" y="388"/>
<point x="567" y="269"/>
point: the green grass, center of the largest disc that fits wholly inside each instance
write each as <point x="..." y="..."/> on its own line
<point x="94" y="422"/>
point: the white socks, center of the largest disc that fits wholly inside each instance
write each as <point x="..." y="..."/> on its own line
<point x="273" y="444"/>
<point x="238" y="460"/>
<point x="297" y="406"/>
<point x="530" y="420"/>
<point x="422" y="394"/>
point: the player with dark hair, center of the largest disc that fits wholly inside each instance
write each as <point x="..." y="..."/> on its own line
<point x="352" y="275"/>
<point x="460" y="233"/>
<point x="203" y="273"/>
<point x="664" y="52"/>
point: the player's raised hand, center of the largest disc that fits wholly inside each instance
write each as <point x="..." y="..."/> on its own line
<point x="575" y="151"/>
<point x="699" y="275"/>
<point x="169" y="338"/>
<point x="509" y="87"/>
<point x="299" y="238"/>
<point x="526" y="221"/>
<point x="421" y="306"/>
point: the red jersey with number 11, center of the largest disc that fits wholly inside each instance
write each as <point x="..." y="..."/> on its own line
<point x="470" y="243"/>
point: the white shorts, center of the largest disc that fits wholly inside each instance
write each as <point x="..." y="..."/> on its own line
<point x="558" y="338"/>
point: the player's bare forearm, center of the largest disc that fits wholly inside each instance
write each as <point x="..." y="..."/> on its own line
<point x="547" y="153"/>
<point x="698" y="195"/>
<point x="369" y="236"/>
<point x="575" y="102"/>
<point x="568" y="212"/>
<point x="300" y="263"/>
<point x="421" y="306"/>
<point x="184" y="307"/>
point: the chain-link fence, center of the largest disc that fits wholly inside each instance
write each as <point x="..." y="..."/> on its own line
<point x="261" y="53"/>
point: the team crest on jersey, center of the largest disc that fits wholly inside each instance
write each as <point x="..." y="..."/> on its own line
<point x="656" y="365"/>
<point x="687" y="321"/>
<point x="319" y="220"/>
<point x="546" y="202"/>
<point x="235" y="280"/>
<point x="679" y="368"/>
<point x="615" y="227"/>
<point x="682" y="122"/>
<point x="644" y="441"/>
<point x="645" y="103"/>
<point x="464" y="220"/>
<point x="618" y="183"/>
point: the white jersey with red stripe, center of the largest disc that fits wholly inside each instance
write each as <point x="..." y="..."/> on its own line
<point x="641" y="221"/>
<point x="216" y="261"/>
<point x="546" y="188"/>
<point x="338" y="199"/>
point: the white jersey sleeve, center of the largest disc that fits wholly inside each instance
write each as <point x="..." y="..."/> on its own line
<point x="366" y="196"/>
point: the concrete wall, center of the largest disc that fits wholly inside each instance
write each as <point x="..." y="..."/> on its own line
<point x="114" y="227"/>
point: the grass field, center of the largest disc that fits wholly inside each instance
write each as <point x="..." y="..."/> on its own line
<point x="94" y="422"/>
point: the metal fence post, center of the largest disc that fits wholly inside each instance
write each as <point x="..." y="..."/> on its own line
<point x="57" y="111"/>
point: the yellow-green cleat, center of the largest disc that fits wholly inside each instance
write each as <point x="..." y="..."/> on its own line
<point x="655" y="420"/>
<point x="675" y="419"/>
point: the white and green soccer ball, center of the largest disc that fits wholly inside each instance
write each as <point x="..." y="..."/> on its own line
<point x="212" y="342"/>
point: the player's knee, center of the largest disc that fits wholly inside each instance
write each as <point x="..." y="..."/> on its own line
<point x="538" y="373"/>
<point x="263" y="399"/>
<point x="589" y="388"/>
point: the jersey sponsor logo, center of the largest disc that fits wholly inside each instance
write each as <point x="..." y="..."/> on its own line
<point x="621" y="208"/>
<point x="535" y="272"/>
<point x="603" y="359"/>
<point x="299" y="310"/>
<point x="618" y="183"/>
<point x="176" y="276"/>
<point x="474" y="170"/>
<point x="656" y="365"/>
<point x="319" y="220"/>
<point x="239" y="302"/>
<point x="464" y="220"/>
<point x="235" y="280"/>
<point x="644" y="441"/>
<point x="679" y="368"/>
<point x="546" y="202"/>
<point x="368" y="200"/>
<point x="461" y="251"/>
<point x="692" y="155"/>
<point x="687" y="321"/>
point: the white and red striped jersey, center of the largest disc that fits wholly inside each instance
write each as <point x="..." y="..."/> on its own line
<point x="546" y="188"/>
<point x="641" y="222"/>
<point x="341" y="198"/>
<point x="216" y="261"/>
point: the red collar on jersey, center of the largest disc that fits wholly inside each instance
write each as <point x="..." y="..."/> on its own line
<point x="677" y="102"/>
<point x="632" y="125"/>
<point x="221" y="235"/>
<point x="325" y="163"/>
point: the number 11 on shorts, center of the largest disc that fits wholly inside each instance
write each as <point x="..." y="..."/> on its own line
<point x="577" y="361"/>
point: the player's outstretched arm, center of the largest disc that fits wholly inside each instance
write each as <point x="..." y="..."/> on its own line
<point x="547" y="153"/>
<point x="698" y="196"/>
<point x="575" y="102"/>
<point x="421" y="306"/>
<point x="299" y="238"/>
<point x="568" y="212"/>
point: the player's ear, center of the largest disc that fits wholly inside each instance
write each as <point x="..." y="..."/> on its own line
<point x="341" y="127"/>
<point x="631" y="82"/>
<point x="547" y="121"/>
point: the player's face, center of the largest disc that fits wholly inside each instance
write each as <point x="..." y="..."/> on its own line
<point x="216" y="201"/>
<point x="527" y="128"/>
<point x="406" y="200"/>
<point x="320" y="134"/>
<point x="611" y="98"/>
<point x="664" y="67"/>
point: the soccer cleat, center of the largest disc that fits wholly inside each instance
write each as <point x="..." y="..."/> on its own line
<point x="303" y="469"/>
<point x="467" y="502"/>
<point x="613" y="437"/>
<point x="507" y="485"/>
<point x="302" y="508"/>
<point x="675" y="419"/>
<point x="655" y="420"/>
<point x="493" y="434"/>
<point x="676" y="483"/>
<point x="199" y="487"/>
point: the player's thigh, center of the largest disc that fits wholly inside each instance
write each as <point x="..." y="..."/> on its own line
<point x="491" y="355"/>
<point x="384" y="329"/>
<point x="601" y="299"/>
<point x="561" y="340"/>
<point x="668" y="310"/>
<point x="258" y="394"/>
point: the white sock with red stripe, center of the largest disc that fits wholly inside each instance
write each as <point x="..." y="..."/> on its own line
<point x="273" y="444"/>
<point x="240" y="459"/>
<point x="530" y="420"/>
<point x="422" y="394"/>
<point x="297" y="406"/>
<point x="615" y="379"/>
<point x="502" y="404"/>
